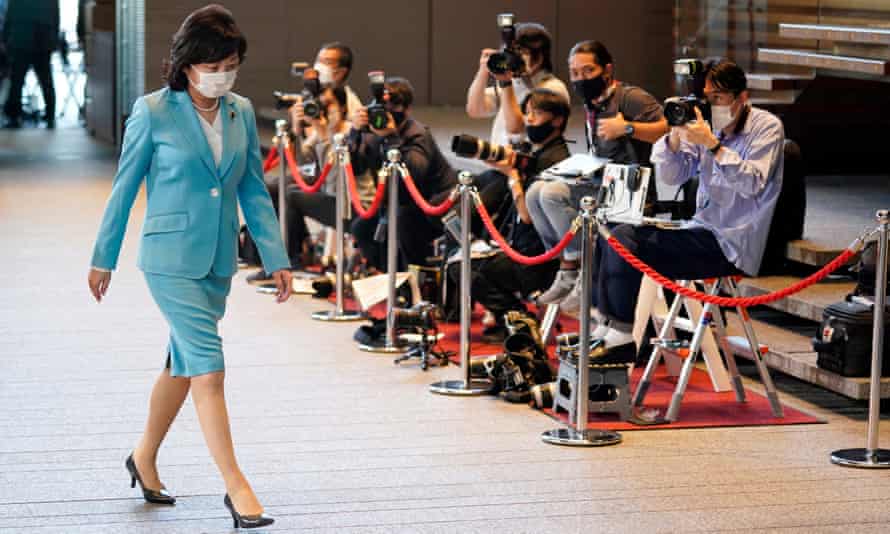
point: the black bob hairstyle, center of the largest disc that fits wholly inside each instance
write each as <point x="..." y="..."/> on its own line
<point x="207" y="35"/>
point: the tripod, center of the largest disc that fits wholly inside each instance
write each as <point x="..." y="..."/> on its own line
<point x="424" y="349"/>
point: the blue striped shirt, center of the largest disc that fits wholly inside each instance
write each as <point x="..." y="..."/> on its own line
<point x="738" y="188"/>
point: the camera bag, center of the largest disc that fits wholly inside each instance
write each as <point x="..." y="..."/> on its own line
<point x="845" y="337"/>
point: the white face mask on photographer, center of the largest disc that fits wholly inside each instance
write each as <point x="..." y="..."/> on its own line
<point x="325" y="74"/>
<point x="721" y="117"/>
<point x="214" y="84"/>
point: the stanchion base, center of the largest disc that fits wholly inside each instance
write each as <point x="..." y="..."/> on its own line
<point x="333" y="316"/>
<point x="879" y="459"/>
<point x="585" y="438"/>
<point x="458" y="388"/>
<point x="381" y="347"/>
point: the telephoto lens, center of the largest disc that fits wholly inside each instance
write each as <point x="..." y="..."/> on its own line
<point x="468" y="146"/>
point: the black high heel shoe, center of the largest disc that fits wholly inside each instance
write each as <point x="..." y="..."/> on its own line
<point x="246" y="521"/>
<point x="153" y="496"/>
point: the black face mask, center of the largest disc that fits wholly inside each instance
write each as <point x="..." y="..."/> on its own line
<point x="589" y="90"/>
<point x="398" y="116"/>
<point x="537" y="134"/>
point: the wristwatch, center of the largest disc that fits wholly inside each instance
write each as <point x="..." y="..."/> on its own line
<point x="505" y="83"/>
<point x="716" y="148"/>
<point x="629" y="130"/>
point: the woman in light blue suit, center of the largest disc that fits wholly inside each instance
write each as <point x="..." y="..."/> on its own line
<point x="195" y="145"/>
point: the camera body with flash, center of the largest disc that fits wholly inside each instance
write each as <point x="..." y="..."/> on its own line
<point x="309" y="94"/>
<point x="689" y="77"/>
<point x="508" y="59"/>
<point x="377" y="115"/>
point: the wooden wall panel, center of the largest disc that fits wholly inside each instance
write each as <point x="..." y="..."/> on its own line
<point x="462" y="28"/>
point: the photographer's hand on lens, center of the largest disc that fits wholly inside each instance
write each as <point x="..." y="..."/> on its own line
<point x="283" y="284"/>
<point x="360" y="118"/>
<point x="98" y="282"/>
<point x="698" y="132"/>
<point x="297" y="116"/>
<point x="390" y="129"/>
<point x="504" y="165"/>
<point x="483" y="60"/>
<point x="612" y="128"/>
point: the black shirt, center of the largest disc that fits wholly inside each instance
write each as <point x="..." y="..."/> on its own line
<point x="520" y="235"/>
<point x="429" y="169"/>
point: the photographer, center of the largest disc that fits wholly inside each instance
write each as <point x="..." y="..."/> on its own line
<point x="497" y="281"/>
<point x="334" y="65"/>
<point x="502" y="101"/>
<point x="622" y="123"/>
<point x="428" y="167"/>
<point x="739" y="161"/>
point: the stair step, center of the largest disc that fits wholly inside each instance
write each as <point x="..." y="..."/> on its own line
<point x="874" y="67"/>
<point x="793" y="355"/>
<point x="778" y="81"/>
<point x="811" y="252"/>
<point x="830" y="32"/>
<point x="807" y="304"/>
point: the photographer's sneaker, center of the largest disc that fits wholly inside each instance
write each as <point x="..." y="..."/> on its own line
<point x="562" y="285"/>
<point x="571" y="304"/>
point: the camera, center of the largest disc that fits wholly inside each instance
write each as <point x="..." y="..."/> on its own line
<point x="468" y="146"/>
<point x="377" y="116"/>
<point x="311" y="89"/>
<point x="421" y="316"/>
<point x="508" y="59"/>
<point x="689" y="78"/>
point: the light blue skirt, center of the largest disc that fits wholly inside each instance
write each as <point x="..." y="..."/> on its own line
<point x="192" y="309"/>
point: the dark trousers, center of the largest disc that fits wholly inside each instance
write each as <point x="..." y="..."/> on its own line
<point x="416" y="233"/>
<point x="690" y="254"/>
<point x="19" y="63"/>
<point x="320" y="206"/>
<point x="374" y="252"/>
<point x="498" y="282"/>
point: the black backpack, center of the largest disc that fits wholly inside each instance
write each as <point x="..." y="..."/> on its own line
<point x="866" y="272"/>
<point x="845" y="337"/>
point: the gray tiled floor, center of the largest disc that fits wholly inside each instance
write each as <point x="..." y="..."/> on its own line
<point x="334" y="440"/>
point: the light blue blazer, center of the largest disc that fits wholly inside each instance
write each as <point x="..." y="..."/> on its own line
<point x="191" y="217"/>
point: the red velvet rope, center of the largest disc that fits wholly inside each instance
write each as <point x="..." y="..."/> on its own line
<point x="426" y="207"/>
<point x="355" y="198"/>
<point x="743" y="302"/>
<point x="272" y="160"/>
<point x="298" y="178"/>
<point x="511" y="252"/>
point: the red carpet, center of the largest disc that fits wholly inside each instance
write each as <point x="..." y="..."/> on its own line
<point x="702" y="407"/>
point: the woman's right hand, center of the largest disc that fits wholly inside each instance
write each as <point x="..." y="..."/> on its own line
<point x="99" y="281"/>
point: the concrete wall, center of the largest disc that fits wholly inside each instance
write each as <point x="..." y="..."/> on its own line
<point x="434" y="43"/>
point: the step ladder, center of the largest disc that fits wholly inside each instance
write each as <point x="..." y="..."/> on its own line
<point x="709" y="323"/>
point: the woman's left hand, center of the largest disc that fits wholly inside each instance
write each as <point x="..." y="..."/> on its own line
<point x="284" y="283"/>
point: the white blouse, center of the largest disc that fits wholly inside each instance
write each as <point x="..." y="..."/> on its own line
<point x="213" y="133"/>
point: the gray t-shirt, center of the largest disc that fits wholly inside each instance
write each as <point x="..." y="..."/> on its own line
<point x="637" y="106"/>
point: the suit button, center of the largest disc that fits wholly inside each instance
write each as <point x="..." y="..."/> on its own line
<point x="214" y="192"/>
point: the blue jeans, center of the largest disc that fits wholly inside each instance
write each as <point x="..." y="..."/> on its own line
<point x="553" y="205"/>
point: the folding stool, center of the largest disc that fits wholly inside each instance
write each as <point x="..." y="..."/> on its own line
<point x="710" y="318"/>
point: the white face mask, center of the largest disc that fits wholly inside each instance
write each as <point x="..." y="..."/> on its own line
<point x="325" y="74"/>
<point x="214" y="84"/>
<point x="721" y="117"/>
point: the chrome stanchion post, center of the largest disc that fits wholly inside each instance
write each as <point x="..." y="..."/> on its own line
<point x="580" y="435"/>
<point x="872" y="456"/>
<point x="466" y="386"/>
<point x="341" y="155"/>
<point x="391" y="344"/>
<point x="283" y="144"/>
